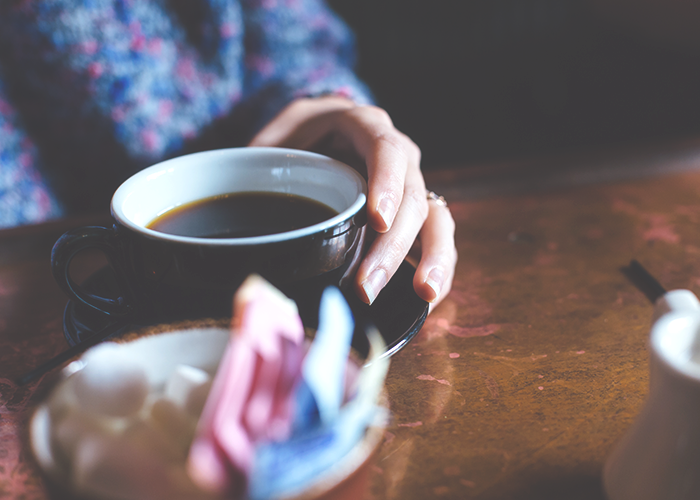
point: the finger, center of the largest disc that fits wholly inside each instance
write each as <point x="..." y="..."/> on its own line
<point x="435" y="271"/>
<point x="389" y="249"/>
<point x="388" y="153"/>
<point x="446" y="291"/>
<point x="389" y="156"/>
<point x="394" y="155"/>
<point x="295" y="127"/>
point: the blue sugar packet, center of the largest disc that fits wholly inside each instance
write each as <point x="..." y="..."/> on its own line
<point x="287" y="468"/>
<point x="322" y="387"/>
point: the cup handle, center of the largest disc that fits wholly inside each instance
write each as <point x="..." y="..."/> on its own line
<point x="73" y="242"/>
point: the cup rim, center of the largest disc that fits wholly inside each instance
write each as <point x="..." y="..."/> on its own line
<point x="121" y="194"/>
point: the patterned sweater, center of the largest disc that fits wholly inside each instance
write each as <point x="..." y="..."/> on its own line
<point x="93" y="90"/>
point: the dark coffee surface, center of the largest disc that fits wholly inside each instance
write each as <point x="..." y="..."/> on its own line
<point x="240" y="215"/>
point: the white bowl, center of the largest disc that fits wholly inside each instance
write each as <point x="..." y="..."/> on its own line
<point x="159" y="355"/>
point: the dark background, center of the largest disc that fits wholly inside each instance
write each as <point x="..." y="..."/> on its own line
<point x="489" y="80"/>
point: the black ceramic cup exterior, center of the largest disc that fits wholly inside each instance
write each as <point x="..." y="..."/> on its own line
<point x="175" y="276"/>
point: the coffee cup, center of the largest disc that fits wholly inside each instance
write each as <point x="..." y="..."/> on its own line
<point x="161" y="274"/>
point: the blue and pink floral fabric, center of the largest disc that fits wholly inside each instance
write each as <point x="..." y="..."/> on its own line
<point x="92" y="91"/>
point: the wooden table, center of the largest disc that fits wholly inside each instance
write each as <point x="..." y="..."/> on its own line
<point x="522" y="380"/>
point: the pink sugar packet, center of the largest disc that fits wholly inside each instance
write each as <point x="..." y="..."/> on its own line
<point x="252" y="394"/>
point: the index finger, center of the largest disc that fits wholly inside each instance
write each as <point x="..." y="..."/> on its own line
<point x="388" y="155"/>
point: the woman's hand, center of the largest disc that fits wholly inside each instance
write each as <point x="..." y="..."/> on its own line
<point x="397" y="205"/>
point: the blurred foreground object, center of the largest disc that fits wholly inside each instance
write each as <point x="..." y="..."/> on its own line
<point x="254" y="411"/>
<point x="659" y="457"/>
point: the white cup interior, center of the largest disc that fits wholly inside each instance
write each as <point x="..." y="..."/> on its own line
<point x="164" y="186"/>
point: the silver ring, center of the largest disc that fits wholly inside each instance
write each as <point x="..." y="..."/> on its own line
<point x="440" y="200"/>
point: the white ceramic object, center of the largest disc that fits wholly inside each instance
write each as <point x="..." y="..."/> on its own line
<point x="99" y="458"/>
<point x="659" y="457"/>
<point x="159" y="356"/>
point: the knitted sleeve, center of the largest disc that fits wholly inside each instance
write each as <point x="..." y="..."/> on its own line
<point x="24" y="196"/>
<point x="297" y="48"/>
<point x="101" y="89"/>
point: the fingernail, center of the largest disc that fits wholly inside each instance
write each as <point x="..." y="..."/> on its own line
<point x="374" y="284"/>
<point x="434" y="280"/>
<point x="386" y="210"/>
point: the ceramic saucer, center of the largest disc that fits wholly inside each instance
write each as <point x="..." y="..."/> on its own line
<point x="398" y="313"/>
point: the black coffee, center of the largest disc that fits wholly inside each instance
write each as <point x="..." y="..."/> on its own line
<point x="240" y="215"/>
